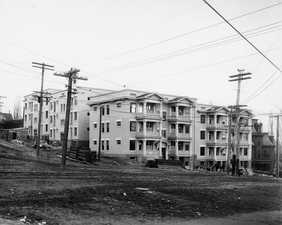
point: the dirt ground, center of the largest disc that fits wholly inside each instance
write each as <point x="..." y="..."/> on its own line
<point x="110" y="193"/>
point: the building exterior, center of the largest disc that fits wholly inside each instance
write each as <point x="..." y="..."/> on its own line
<point x="53" y="114"/>
<point x="263" y="153"/>
<point x="142" y="125"/>
<point x="212" y="132"/>
<point x="31" y="114"/>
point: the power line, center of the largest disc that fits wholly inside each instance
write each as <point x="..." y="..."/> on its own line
<point x="190" y="32"/>
<point x="43" y="67"/>
<point x="209" y="44"/>
<point x="261" y="91"/>
<point x="235" y="29"/>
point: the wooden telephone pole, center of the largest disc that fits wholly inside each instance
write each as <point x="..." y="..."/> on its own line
<point x="237" y="108"/>
<point x="72" y="76"/>
<point x="43" y="67"/>
<point x="277" y="158"/>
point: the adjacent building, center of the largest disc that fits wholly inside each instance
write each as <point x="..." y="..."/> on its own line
<point x="212" y="133"/>
<point x="142" y="125"/>
<point x="263" y="152"/>
<point x="53" y="114"/>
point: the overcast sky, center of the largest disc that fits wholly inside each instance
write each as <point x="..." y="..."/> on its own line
<point x="120" y="42"/>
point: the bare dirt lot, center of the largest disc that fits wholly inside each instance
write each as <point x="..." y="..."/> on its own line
<point x="108" y="193"/>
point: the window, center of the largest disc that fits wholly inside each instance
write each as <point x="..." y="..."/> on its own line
<point x="187" y="146"/>
<point x="108" y="127"/>
<point x="133" y="125"/>
<point x="75" y="115"/>
<point x="118" y="141"/>
<point x="35" y="120"/>
<point x="118" y="122"/>
<point x="51" y="133"/>
<point x="95" y="125"/>
<point x="75" y="131"/>
<point x="203" y="119"/>
<point x="132" y="146"/>
<point x="95" y="108"/>
<point x="51" y="119"/>
<point x="164" y="115"/>
<point x="46" y="114"/>
<point x="187" y="129"/>
<point x="180" y="146"/>
<point x="119" y="105"/>
<point x="173" y="109"/>
<point x="102" y="144"/>
<point x="46" y="127"/>
<point x="164" y="133"/>
<point x="180" y="128"/>
<point x="102" y="110"/>
<point x="107" y="145"/>
<point x="88" y="113"/>
<point x="94" y="142"/>
<point x="108" y="109"/>
<point x="202" y="151"/>
<point x="103" y="127"/>
<point x="133" y="107"/>
<point x="217" y="151"/>
<point x="245" y="151"/>
<point x="202" y="135"/>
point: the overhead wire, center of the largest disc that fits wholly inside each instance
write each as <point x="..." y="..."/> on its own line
<point x="242" y="35"/>
<point x="204" y="45"/>
<point x="190" y="32"/>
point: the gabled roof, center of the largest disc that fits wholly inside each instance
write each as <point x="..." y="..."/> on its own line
<point x="148" y="95"/>
<point x="214" y="109"/>
<point x="180" y="99"/>
<point x="266" y="140"/>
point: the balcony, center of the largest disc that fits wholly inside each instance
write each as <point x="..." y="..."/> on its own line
<point x="179" y="118"/>
<point x="148" y="135"/>
<point x="214" y="142"/>
<point x="179" y="136"/>
<point x="245" y="128"/>
<point x="217" y="126"/>
<point x="149" y="115"/>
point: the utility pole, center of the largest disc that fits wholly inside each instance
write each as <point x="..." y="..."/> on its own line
<point x="100" y="131"/>
<point x="229" y="140"/>
<point x="277" y="158"/>
<point x="1" y="103"/>
<point x="239" y="78"/>
<point x="72" y="76"/>
<point x="277" y="146"/>
<point x="43" y="67"/>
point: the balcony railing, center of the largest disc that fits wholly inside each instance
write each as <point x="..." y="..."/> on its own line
<point x="181" y="118"/>
<point x="217" y="142"/>
<point x="148" y="135"/>
<point x="217" y="126"/>
<point x="154" y="116"/>
<point x="182" y="136"/>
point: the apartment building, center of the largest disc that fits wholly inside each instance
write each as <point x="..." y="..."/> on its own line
<point x="54" y="111"/>
<point x="31" y="115"/>
<point x="142" y="125"/>
<point x="212" y="133"/>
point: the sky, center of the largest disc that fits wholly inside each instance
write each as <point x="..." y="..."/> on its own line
<point x="167" y="46"/>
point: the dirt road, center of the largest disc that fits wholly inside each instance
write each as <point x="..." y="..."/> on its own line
<point x="112" y="194"/>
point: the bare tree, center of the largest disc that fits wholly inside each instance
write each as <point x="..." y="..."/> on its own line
<point x="17" y="110"/>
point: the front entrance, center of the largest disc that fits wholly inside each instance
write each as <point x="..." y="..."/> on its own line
<point x="164" y="153"/>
